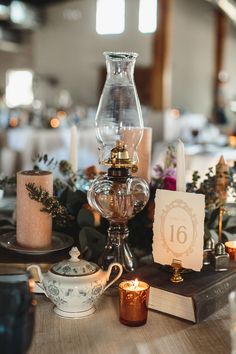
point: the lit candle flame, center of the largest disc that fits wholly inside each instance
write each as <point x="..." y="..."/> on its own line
<point x="135" y="284"/>
<point x="31" y="285"/>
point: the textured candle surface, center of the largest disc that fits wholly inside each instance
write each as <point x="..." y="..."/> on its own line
<point x="144" y="155"/>
<point x="130" y="137"/>
<point x="133" y="303"/>
<point x="33" y="227"/>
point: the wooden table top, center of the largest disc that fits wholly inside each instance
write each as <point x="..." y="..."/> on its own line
<point x="102" y="333"/>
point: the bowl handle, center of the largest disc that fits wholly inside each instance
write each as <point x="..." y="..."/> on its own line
<point x="109" y="273"/>
<point x="40" y="276"/>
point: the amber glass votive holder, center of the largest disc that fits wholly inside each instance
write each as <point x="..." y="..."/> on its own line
<point x="133" y="301"/>
<point x="230" y="247"/>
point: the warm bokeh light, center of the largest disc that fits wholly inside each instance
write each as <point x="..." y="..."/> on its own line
<point x="232" y="141"/>
<point x="61" y="114"/>
<point x="54" y="122"/>
<point x="175" y="113"/>
<point x="13" y="122"/>
<point x="31" y="285"/>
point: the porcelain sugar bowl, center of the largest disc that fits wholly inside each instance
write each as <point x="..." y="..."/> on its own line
<point x="74" y="285"/>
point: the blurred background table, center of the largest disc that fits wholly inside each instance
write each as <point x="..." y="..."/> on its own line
<point x="198" y="157"/>
<point x="21" y="145"/>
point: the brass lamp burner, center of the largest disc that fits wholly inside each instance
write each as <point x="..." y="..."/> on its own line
<point x="120" y="157"/>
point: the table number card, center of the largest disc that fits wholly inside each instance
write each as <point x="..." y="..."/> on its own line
<point x="179" y="228"/>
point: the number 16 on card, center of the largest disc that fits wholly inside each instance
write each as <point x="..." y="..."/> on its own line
<point x="179" y="235"/>
<point x="179" y="228"/>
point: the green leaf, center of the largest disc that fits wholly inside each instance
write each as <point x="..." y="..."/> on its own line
<point x="213" y="218"/>
<point x="85" y="218"/>
<point x="92" y="243"/>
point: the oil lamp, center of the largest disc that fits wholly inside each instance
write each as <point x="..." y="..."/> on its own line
<point x="117" y="195"/>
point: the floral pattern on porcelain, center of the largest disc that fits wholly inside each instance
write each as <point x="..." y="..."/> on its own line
<point x="79" y="288"/>
<point x="67" y="270"/>
<point x="61" y="295"/>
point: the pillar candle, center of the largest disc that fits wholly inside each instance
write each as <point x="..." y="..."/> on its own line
<point x="73" y="158"/>
<point x="144" y="155"/>
<point x="33" y="227"/>
<point x="129" y="136"/>
<point x="180" y="167"/>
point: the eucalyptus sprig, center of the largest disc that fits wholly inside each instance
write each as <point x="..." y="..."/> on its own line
<point x="208" y="188"/>
<point x="7" y="181"/>
<point x="64" y="168"/>
<point x="50" y="163"/>
<point x="50" y="204"/>
<point x="193" y="186"/>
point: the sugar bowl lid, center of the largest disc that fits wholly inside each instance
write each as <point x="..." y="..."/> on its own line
<point x="74" y="266"/>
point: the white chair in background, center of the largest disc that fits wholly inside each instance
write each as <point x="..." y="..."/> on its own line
<point x="10" y="161"/>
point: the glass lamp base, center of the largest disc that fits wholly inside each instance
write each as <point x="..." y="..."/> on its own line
<point x="117" y="249"/>
<point x="118" y="197"/>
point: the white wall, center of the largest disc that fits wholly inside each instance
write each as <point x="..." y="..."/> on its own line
<point x="193" y="55"/>
<point x="72" y="50"/>
<point x="230" y="60"/>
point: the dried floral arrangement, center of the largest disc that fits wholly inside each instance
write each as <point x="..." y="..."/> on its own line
<point x="165" y="176"/>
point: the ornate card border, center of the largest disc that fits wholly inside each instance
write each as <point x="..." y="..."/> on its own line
<point x="178" y="203"/>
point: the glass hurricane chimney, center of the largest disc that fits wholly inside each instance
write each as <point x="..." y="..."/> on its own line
<point x="119" y="116"/>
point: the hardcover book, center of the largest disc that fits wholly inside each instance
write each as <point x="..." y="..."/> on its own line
<point x="197" y="297"/>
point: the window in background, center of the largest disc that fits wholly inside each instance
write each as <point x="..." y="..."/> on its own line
<point x="110" y="16"/>
<point x="4" y="12"/>
<point x="19" y="88"/>
<point x="24" y="16"/>
<point x="147" y="22"/>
